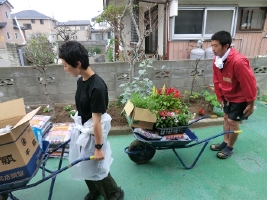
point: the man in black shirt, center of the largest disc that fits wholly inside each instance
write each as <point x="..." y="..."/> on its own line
<point x="91" y="102"/>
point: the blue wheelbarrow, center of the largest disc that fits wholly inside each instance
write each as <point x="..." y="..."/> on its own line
<point x="142" y="149"/>
<point x="7" y="189"/>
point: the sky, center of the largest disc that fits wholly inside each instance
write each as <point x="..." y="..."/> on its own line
<point x="62" y="10"/>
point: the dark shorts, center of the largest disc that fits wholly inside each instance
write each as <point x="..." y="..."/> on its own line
<point x="235" y="110"/>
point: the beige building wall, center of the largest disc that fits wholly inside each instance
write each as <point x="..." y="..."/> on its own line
<point x="81" y="34"/>
<point x="14" y="34"/>
<point x="36" y="27"/>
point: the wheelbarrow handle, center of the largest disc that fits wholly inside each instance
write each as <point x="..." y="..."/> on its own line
<point x="92" y="157"/>
<point x="203" y="117"/>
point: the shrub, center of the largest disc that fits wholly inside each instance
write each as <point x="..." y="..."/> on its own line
<point x="141" y="84"/>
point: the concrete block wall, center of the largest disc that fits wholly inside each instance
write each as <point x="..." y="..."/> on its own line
<point x="25" y="82"/>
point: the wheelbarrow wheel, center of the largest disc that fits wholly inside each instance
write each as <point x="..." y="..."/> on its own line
<point x="141" y="152"/>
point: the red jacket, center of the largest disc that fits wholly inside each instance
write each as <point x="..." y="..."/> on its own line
<point x="236" y="81"/>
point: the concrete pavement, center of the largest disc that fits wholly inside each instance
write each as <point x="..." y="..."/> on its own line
<point x="242" y="176"/>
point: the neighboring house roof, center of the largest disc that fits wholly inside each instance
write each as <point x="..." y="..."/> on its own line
<point x="5" y="1"/>
<point x="3" y="24"/>
<point x="74" y="23"/>
<point x="29" y="14"/>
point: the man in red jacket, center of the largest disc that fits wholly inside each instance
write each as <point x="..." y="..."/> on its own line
<point x="235" y="88"/>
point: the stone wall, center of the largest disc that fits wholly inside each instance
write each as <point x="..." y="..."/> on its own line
<point x="18" y="82"/>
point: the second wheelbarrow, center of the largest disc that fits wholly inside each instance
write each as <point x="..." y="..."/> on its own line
<point x="143" y="149"/>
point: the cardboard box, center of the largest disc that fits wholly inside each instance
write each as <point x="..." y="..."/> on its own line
<point x="139" y="117"/>
<point x="20" y="153"/>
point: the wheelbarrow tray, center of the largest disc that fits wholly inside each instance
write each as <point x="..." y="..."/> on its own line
<point x="169" y="143"/>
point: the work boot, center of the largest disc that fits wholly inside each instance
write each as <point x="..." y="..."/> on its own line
<point x="118" y="195"/>
<point x="4" y="196"/>
<point x="91" y="196"/>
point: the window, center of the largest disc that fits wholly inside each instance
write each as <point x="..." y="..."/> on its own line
<point x="99" y="37"/>
<point x="74" y="37"/>
<point x="7" y="15"/>
<point x="192" y="23"/>
<point x="102" y="23"/>
<point x="16" y="35"/>
<point x="82" y="28"/>
<point x="41" y="21"/>
<point x="28" y="26"/>
<point x="33" y="21"/>
<point x="252" y="19"/>
<point x="8" y="35"/>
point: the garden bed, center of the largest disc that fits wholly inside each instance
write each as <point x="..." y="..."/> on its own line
<point x="115" y="111"/>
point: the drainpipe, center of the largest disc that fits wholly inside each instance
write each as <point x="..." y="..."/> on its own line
<point x="167" y="34"/>
<point x="164" y="33"/>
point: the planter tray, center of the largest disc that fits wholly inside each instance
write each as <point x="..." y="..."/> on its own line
<point x="172" y="130"/>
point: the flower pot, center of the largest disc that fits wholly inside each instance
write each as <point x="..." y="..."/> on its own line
<point x="218" y="111"/>
<point x="171" y="130"/>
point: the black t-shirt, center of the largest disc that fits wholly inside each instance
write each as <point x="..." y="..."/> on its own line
<point x="91" y="97"/>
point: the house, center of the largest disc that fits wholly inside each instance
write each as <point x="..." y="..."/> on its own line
<point x="76" y="30"/>
<point x="36" y="22"/>
<point x="181" y="24"/>
<point x="100" y="31"/>
<point x="9" y="30"/>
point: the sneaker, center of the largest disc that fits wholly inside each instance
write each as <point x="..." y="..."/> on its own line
<point x="4" y="196"/>
<point x="119" y="195"/>
<point x="91" y="196"/>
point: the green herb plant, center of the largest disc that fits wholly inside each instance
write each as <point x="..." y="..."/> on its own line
<point x="72" y="112"/>
<point x="211" y="98"/>
<point x="140" y="102"/>
<point x="141" y="84"/>
<point x="263" y="97"/>
<point x="67" y="108"/>
<point x="46" y="109"/>
<point x="191" y="95"/>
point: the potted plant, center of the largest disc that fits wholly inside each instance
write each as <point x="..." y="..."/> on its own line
<point x="172" y="115"/>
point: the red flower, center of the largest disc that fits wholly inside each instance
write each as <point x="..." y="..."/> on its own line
<point x="176" y="95"/>
<point x="201" y="111"/>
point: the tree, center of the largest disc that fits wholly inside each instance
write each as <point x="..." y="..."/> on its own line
<point x="115" y="16"/>
<point x="111" y="15"/>
<point x="39" y="51"/>
<point x="64" y="32"/>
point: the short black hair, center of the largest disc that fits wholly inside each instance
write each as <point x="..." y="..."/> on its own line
<point x="73" y="51"/>
<point x="223" y="37"/>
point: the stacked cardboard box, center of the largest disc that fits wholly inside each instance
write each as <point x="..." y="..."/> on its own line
<point x="20" y="153"/>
